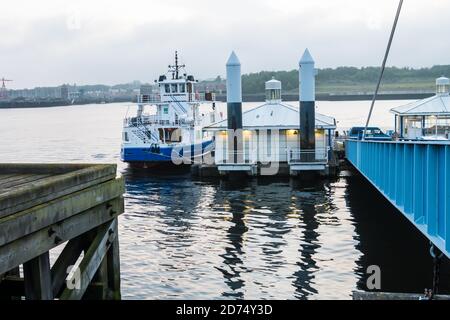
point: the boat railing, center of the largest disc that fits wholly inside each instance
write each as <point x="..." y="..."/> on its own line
<point x="317" y="155"/>
<point x="149" y="98"/>
<point x="198" y="97"/>
<point x="155" y="120"/>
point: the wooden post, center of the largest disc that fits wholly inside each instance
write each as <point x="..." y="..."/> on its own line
<point x="38" y="284"/>
<point x="67" y="258"/>
<point x="113" y="262"/>
<point x="92" y="259"/>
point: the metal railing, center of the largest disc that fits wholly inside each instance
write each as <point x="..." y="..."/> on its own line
<point x="298" y="156"/>
<point x="414" y="177"/>
<point x="153" y="119"/>
<point x="149" y="98"/>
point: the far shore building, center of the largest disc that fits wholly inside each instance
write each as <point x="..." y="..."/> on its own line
<point x="427" y="119"/>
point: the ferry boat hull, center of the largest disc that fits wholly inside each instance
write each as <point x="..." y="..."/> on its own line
<point x="147" y="156"/>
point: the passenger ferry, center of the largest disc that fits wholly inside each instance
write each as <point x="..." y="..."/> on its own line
<point x="167" y="128"/>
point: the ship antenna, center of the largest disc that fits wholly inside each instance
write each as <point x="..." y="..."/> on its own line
<point x="176" y="68"/>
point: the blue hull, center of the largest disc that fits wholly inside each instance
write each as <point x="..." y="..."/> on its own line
<point x="160" y="156"/>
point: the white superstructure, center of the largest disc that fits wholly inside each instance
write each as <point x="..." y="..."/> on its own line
<point x="168" y="119"/>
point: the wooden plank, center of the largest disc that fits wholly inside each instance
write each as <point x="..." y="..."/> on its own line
<point x="361" y="295"/>
<point x="98" y="288"/>
<point x="113" y="263"/>
<point x="92" y="260"/>
<point x="22" y="180"/>
<point x="11" y="177"/>
<point x="22" y="223"/>
<point x="7" y="176"/>
<point x="37" y="278"/>
<point x="54" y="187"/>
<point x="37" y="243"/>
<point x="42" y="168"/>
<point x="66" y="258"/>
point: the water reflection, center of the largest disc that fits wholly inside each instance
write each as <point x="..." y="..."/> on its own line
<point x="278" y="239"/>
<point x="387" y="239"/>
<point x="254" y="239"/>
<point x="305" y="275"/>
<point x="232" y="257"/>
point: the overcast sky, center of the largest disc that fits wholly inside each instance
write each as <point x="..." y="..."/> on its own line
<point x="50" y="42"/>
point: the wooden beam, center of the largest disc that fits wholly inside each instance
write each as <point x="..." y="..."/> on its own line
<point x="22" y="223"/>
<point x="98" y="288"/>
<point x="92" y="260"/>
<point x="37" y="278"/>
<point x="37" y="243"/>
<point x="113" y="263"/>
<point x="67" y="258"/>
<point x="27" y="196"/>
<point x="361" y="295"/>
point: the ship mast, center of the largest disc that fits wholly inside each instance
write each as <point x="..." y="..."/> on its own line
<point x="176" y="68"/>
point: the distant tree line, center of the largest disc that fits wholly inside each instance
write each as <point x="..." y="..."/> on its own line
<point x="254" y="82"/>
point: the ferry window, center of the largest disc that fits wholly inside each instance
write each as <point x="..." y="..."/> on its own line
<point x="182" y="88"/>
<point x="125" y="136"/>
<point x="167" y="88"/>
<point x="174" y="88"/>
<point x="166" y="110"/>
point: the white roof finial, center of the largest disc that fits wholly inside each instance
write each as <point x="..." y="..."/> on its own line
<point x="306" y="58"/>
<point x="233" y="60"/>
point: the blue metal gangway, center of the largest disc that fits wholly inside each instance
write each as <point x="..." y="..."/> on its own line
<point x="414" y="176"/>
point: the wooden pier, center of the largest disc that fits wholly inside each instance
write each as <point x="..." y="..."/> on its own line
<point x="71" y="208"/>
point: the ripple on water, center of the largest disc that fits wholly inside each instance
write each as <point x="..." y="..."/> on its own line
<point x="199" y="240"/>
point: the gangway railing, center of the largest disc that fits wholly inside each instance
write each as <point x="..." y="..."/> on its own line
<point x="414" y="176"/>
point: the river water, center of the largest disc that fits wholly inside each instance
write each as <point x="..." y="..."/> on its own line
<point x="260" y="239"/>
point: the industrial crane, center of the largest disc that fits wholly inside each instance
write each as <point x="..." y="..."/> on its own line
<point x="3" y="91"/>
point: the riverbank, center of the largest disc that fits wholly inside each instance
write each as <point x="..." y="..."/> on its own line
<point x="56" y="103"/>
<point x="335" y="97"/>
<point x="221" y="98"/>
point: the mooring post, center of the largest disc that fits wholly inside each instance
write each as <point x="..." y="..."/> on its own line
<point x="234" y="109"/>
<point x="307" y="107"/>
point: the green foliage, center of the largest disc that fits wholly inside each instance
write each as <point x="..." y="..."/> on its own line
<point x="394" y="78"/>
